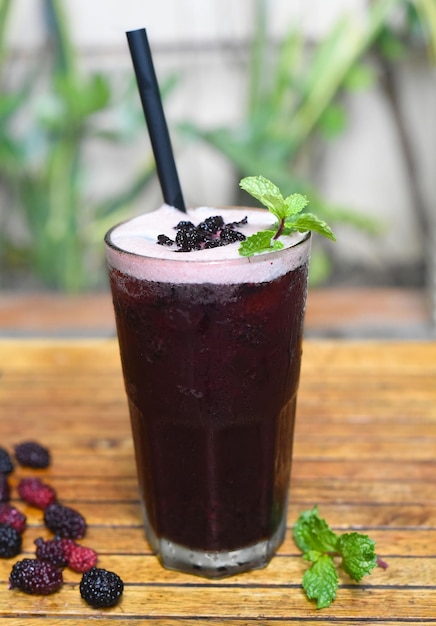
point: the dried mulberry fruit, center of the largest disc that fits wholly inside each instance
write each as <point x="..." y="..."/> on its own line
<point x="64" y="521"/>
<point x="35" y="577"/>
<point x="6" y="465"/>
<point x="10" y="516"/>
<point x="36" y="492"/>
<point x="100" y="588"/>
<point x="10" y="542"/>
<point x="32" y="454"/>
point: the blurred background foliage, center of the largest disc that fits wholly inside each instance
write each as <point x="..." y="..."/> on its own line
<point x="45" y="124"/>
<point x="294" y="104"/>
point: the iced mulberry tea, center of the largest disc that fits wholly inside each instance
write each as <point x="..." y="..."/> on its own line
<point x="211" y="352"/>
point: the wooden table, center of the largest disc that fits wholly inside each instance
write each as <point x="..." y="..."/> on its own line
<point x="365" y="451"/>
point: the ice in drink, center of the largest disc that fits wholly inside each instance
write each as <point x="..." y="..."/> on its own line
<point x="210" y="347"/>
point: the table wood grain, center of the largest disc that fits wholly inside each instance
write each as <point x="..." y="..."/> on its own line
<point x="365" y="452"/>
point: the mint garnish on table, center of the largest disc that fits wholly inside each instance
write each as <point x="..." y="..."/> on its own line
<point x="321" y="546"/>
<point x="288" y="212"/>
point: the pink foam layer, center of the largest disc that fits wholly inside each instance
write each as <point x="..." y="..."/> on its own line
<point x="133" y="250"/>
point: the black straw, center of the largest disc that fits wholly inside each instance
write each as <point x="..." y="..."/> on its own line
<point x="155" y="118"/>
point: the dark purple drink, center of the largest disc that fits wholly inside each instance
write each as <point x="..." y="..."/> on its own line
<point x="211" y="372"/>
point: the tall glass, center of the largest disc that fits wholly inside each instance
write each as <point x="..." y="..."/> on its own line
<point x="211" y="354"/>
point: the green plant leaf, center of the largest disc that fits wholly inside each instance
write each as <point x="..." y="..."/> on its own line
<point x="358" y="554"/>
<point x="321" y="545"/>
<point x="259" y="242"/>
<point x="320" y="582"/>
<point x="295" y="203"/>
<point x="360" y="76"/>
<point x="311" y="532"/>
<point x="266" y="192"/>
<point x="333" y="121"/>
<point x="309" y="221"/>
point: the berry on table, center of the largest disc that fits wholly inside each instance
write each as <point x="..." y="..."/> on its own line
<point x="81" y="558"/>
<point x="101" y="588"/>
<point x="6" y="465"/>
<point x="52" y="551"/>
<point x="10" y="542"/>
<point x="10" y="516"/>
<point x="64" y="521"/>
<point x="36" y="492"/>
<point x="5" y="490"/>
<point x="35" y="577"/>
<point x="32" y="454"/>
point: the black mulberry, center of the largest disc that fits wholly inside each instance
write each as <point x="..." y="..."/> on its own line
<point x="5" y="490"/>
<point x="6" y="465"/>
<point x="36" y="577"/>
<point x="100" y="588"/>
<point x="32" y="454"/>
<point x="10" y="542"/>
<point x="64" y="521"/>
<point x="52" y="551"/>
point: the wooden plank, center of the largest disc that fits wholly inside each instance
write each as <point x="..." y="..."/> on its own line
<point x="340" y="515"/>
<point x="365" y="449"/>
<point x="110" y="538"/>
<point x="323" y="490"/>
<point x="44" y="620"/>
<point x="283" y="570"/>
<point x="244" y="602"/>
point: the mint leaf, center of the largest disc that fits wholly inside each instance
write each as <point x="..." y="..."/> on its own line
<point x="358" y="554"/>
<point x="266" y="192"/>
<point x="311" y="532"/>
<point x="259" y="242"/>
<point x="295" y="204"/>
<point x="320" y="545"/>
<point x="312" y="555"/>
<point x="286" y="210"/>
<point x="308" y="221"/>
<point x="320" y="582"/>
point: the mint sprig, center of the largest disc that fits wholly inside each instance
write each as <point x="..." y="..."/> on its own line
<point x="286" y="210"/>
<point x="321" y="545"/>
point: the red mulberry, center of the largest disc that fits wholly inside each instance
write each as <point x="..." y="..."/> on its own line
<point x="10" y="516"/>
<point x="36" y="493"/>
<point x="81" y="558"/>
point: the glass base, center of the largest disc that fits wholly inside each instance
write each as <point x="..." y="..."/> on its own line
<point x="216" y="564"/>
